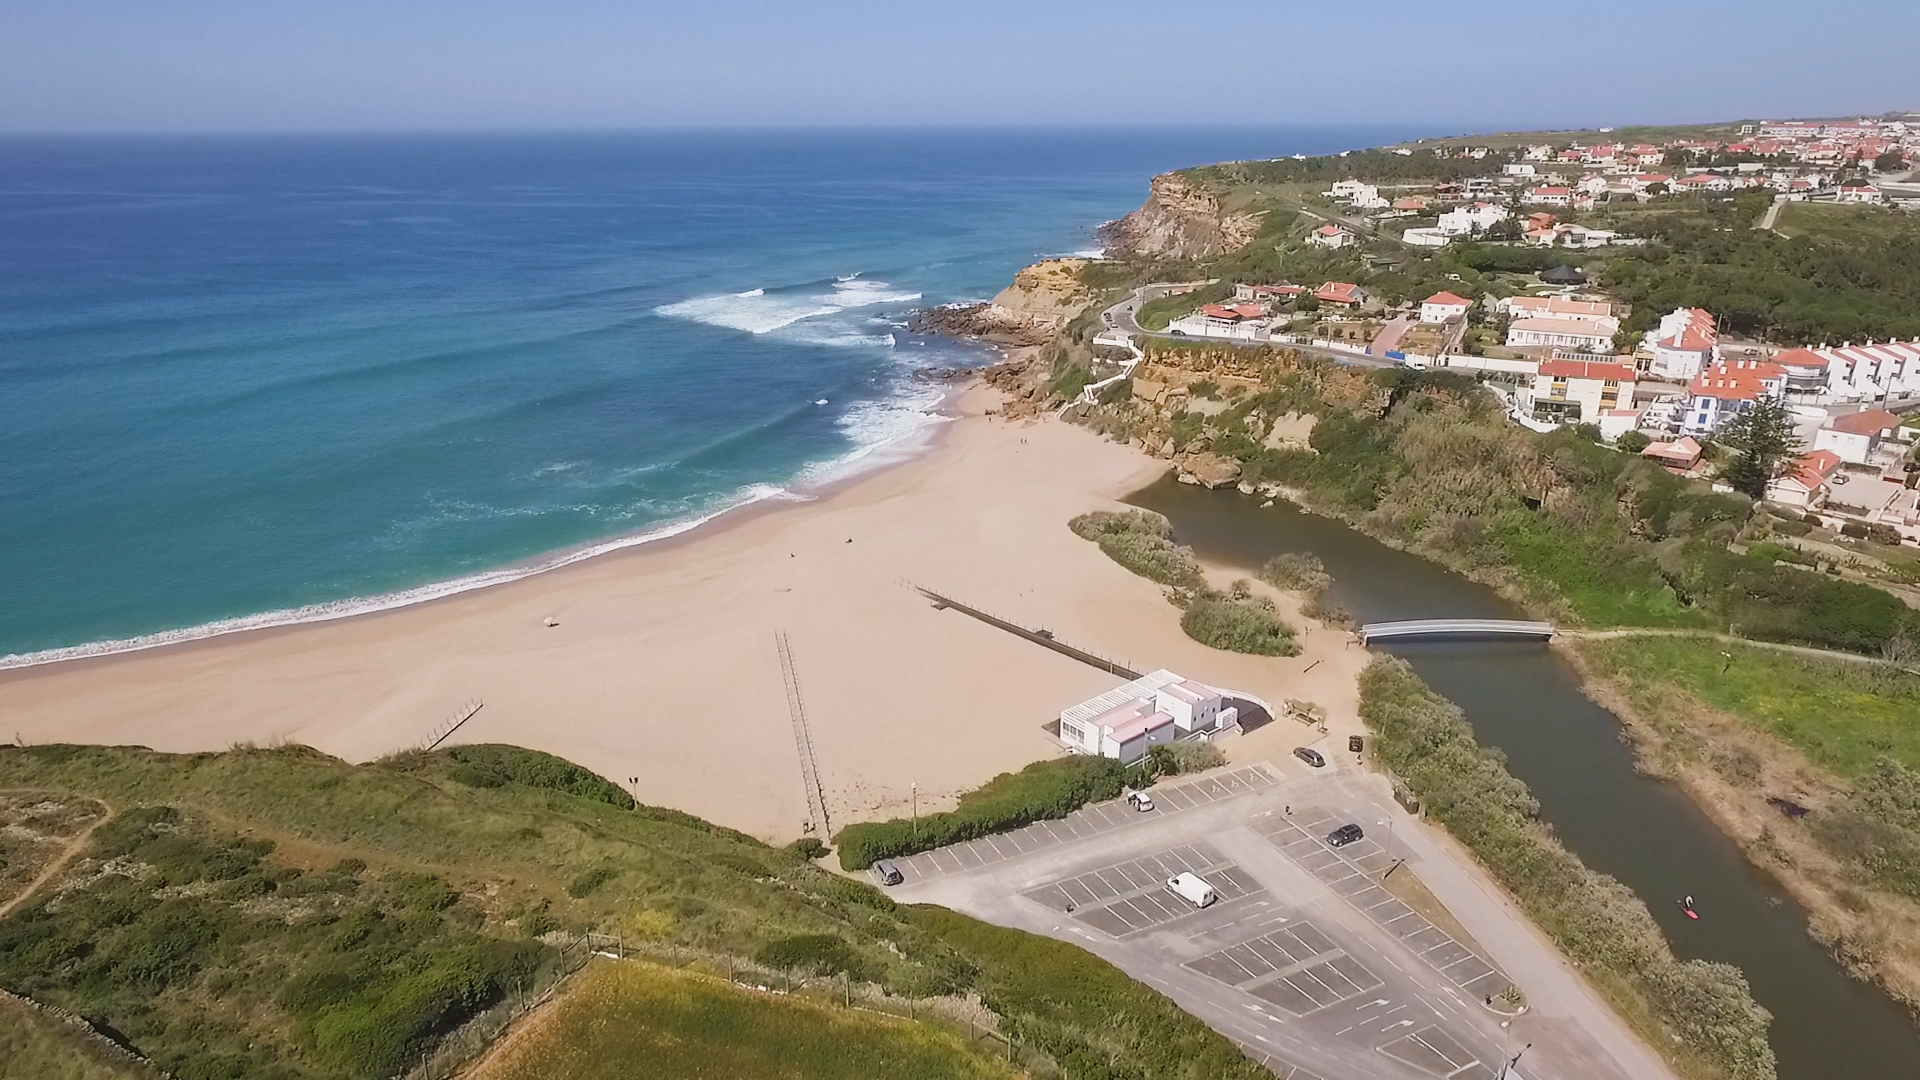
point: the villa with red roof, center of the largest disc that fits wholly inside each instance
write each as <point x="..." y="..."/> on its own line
<point x="1804" y="485"/>
<point x="1684" y="344"/>
<point x="1244" y="293"/>
<point x="1720" y="392"/>
<point x="1856" y="436"/>
<point x="1330" y="236"/>
<point x="1156" y="708"/>
<point x="1344" y="293"/>
<point x="1574" y="391"/>
<point x="1550" y="195"/>
<point x="1442" y="306"/>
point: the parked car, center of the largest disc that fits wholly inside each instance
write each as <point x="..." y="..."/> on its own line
<point x="1344" y="835"/>
<point x="1309" y="755"/>
<point x="1193" y="889"/>
<point x="888" y="873"/>
<point x="1354" y="744"/>
<point x="1140" y="801"/>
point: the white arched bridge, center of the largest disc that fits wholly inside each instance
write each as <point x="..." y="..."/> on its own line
<point x="1432" y="628"/>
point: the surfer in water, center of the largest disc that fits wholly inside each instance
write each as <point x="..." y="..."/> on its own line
<point x="1687" y="904"/>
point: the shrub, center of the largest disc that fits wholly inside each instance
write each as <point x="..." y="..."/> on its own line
<point x="1141" y="541"/>
<point x="493" y="765"/>
<point x="584" y="884"/>
<point x="1854" y="529"/>
<point x="1296" y="572"/>
<point x="1045" y="789"/>
<point x="1244" y="626"/>
<point x="1633" y="442"/>
<point x="808" y="848"/>
<point x="822" y="954"/>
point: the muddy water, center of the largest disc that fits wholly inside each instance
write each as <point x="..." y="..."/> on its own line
<point x="1525" y="700"/>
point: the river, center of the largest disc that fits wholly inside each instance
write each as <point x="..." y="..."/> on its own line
<point x="1525" y="700"/>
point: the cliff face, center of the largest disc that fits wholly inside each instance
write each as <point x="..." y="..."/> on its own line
<point x="1179" y="221"/>
<point x="1043" y="298"/>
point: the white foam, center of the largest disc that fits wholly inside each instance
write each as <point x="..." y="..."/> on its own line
<point x="882" y="432"/>
<point x="758" y="313"/>
<point x="343" y="609"/>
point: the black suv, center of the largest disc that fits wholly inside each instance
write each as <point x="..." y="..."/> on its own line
<point x="1344" y="835"/>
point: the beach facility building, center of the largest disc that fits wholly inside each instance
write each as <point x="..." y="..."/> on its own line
<point x="1156" y="708"/>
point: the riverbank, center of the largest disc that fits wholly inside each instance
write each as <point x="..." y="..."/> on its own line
<point x="1780" y="804"/>
<point x="662" y="670"/>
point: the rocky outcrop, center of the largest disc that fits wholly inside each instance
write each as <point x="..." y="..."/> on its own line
<point x="1179" y="221"/>
<point x="1209" y="469"/>
<point x="1043" y="299"/>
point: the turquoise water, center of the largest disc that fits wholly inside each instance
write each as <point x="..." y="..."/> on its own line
<point x="254" y="380"/>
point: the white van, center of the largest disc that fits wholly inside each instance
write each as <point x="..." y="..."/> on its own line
<point x="1193" y="889"/>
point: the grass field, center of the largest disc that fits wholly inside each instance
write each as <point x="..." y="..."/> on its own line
<point x="625" y="1019"/>
<point x="1841" y="715"/>
<point x="1838" y="222"/>
<point x="34" y="1046"/>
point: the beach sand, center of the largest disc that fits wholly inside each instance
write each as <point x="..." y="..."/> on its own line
<point x="663" y="666"/>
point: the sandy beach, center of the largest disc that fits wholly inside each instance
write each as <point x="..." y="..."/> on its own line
<point x="663" y="663"/>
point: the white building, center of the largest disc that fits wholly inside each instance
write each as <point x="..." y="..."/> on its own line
<point x="1855" y="436"/>
<point x="1425" y="237"/>
<point x="1330" y="236"/>
<point x="1804" y="484"/>
<point x="1550" y="195"/>
<point x="1465" y="222"/>
<point x="1721" y="391"/>
<point x="1686" y="342"/>
<point x="1361" y="195"/>
<point x="1585" y="335"/>
<point x="1859" y="193"/>
<point x="1575" y="391"/>
<point x="1557" y="307"/>
<point x="1442" y="306"/>
<point x="1156" y="708"/>
<point x="1240" y="321"/>
<point x="1852" y="372"/>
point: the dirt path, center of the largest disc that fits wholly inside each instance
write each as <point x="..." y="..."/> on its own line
<point x="1729" y="639"/>
<point x="67" y="855"/>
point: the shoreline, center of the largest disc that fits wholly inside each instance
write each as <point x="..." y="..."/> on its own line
<point x="755" y="498"/>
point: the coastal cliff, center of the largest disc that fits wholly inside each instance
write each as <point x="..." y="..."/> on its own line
<point x="1179" y="221"/>
<point x="1042" y="300"/>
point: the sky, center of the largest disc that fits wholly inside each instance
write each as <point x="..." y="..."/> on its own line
<point x="305" y="65"/>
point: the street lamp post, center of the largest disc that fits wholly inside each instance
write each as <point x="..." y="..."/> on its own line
<point x="916" y="810"/>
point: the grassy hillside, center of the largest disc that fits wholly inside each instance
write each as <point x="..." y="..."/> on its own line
<point x="35" y="1046"/>
<point x="685" y="1026"/>
<point x="280" y="913"/>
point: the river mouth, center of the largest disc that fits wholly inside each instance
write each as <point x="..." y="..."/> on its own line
<point x="1525" y="700"/>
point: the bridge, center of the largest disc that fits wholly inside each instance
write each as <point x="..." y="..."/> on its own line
<point x="1417" y="628"/>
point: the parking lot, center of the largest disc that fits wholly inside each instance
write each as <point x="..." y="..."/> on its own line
<point x="1354" y="871"/>
<point x="1133" y="896"/>
<point x="1303" y="960"/>
<point x="1171" y="798"/>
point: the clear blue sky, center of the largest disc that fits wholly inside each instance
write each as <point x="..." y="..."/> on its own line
<point x="154" y="65"/>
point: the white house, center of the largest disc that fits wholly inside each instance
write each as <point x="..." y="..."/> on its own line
<point x="1804" y="485"/>
<point x="1155" y="708"/>
<point x="1853" y="372"/>
<point x="1550" y="195"/>
<point x="1517" y="168"/>
<point x="1425" y="237"/>
<point x="1556" y="307"/>
<point x="1585" y="335"/>
<point x="1684" y="344"/>
<point x="1361" y="195"/>
<point x="1464" y="221"/>
<point x="1239" y="321"/>
<point x="1855" y="436"/>
<point x="1859" y="193"/>
<point x="1442" y="306"/>
<point x="1330" y="236"/>
<point x="1724" y="389"/>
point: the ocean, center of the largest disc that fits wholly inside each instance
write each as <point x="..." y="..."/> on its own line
<point x="247" y="381"/>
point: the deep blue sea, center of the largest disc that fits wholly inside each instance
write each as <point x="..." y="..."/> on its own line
<point x="253" y="380"/>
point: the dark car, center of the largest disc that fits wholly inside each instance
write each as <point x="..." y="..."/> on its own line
<point x="1344" y="835"/>
<point x="1311" y="757"/>
<point x="1354" y="744"/>
<point x="888" y="873"/>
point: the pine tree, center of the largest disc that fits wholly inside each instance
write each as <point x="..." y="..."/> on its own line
<point x="1764" y="434"/>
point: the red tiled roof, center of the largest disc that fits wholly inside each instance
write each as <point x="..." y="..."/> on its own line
<point x="1449" y="299"/>
<point x="1742" y="380"/>
<point x="1682" y="449"/>
<point x="1870" y="422"/>
<point x="1810" y="471"/>
<point x="1339" y="292"/>
<point x="1586" y="369"/>
<point x="1328" y="230"/>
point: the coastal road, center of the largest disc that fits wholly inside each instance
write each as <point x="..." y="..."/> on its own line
<point x="1124" y="316"/>
<point x="1306" y="961"/>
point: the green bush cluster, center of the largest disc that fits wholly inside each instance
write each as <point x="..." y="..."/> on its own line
<point x="1045" y="789"/>
<point x="1141" y="541"/>
<point x="1296" y="572"/>
<point x="1243" y="625"/>
<point x="822" y="954"/>
<point x="493" y="765"/>
<point x="1705" y="1008"/>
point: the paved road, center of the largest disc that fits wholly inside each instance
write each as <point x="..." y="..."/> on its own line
<point x="1305" y="961"/>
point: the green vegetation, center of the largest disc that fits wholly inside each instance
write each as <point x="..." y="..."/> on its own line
<point x="283" y="914"/>
<point x="37" y="1046"/>
<point x="1764" y="434"/>
<point x="1156" y="314"/>
<point x="1843" y="715"/>
<point x="1141" y="541"/>
<point x="1702" y="1014"/>
<point x="1089" y="1017"/>
<point x="1239" y="624"/>
<point x="627" y="1019"/>
<point x="1052" y="788"/>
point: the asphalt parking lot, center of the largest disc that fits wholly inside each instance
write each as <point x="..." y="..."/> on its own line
<point x="1304" y="961"/>
<point x="1168" y="799"/>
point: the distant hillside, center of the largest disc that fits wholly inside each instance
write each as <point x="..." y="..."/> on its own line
<point x="283" y="914"/>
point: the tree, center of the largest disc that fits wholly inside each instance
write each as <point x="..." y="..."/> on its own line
<point x="1763" y="433"/>
<point x="1633" y="442"/>
<point x="1891" y="161"/>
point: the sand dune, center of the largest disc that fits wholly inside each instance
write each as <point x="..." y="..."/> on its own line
<point x="663" y="665"/>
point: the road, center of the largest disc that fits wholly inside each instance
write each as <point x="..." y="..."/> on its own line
<point x="1124" y="316"/>
<point x="1305" y="961"/>
<point x="1773" y="213"/>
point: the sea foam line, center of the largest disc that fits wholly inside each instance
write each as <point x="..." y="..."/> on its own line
<point x="367" y="605"/>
